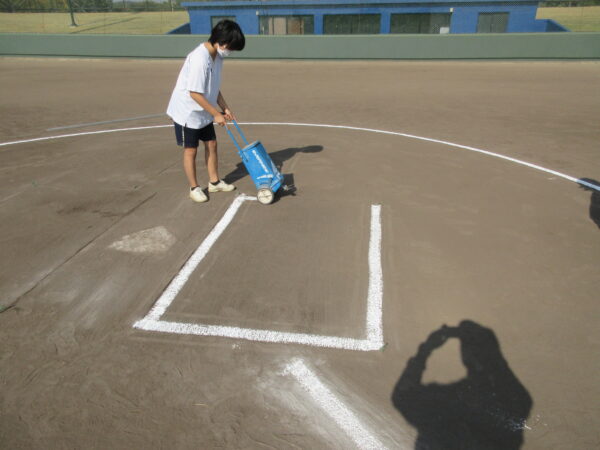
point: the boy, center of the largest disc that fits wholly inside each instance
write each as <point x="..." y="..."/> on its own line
<point x="194" y="101"/>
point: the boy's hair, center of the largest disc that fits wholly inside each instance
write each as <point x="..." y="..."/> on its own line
<point x="229" y="33"/>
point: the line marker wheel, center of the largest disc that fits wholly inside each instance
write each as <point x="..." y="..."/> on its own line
<point x="265" y="196"/>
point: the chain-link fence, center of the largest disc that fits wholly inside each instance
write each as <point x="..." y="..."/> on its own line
<point x="91" y="16"/>
<point x="155" y="17"/>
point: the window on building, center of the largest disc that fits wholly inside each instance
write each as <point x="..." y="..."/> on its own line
<point x="216" y="19"/>
<point x="352" y="24"/>
<point x="286" y="25"/>
<point x="436" y="23"/>
<point x="492" y="22"/>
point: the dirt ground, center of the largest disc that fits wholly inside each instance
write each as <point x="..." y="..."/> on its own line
<point x="95" y="226"/>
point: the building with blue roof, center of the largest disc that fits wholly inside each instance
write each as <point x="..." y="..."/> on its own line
<point x="285" y="17"/>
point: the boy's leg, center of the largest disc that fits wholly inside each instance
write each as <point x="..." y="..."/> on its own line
<point x="212" y="160"/>
<point x="188" y="140"/>
<point x="189" y="165"/>
<point x="212" y="164"/>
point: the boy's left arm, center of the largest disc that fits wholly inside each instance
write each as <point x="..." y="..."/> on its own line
<point x="223" y="104"/>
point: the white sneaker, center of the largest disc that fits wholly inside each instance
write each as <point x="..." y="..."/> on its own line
<point x="198" y="195"/>
<point x="220" y="186"/>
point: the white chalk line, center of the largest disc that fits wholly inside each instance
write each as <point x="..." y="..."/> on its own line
<point x="169" y="294"/>
<point x="375" y="296"/>
<point x="86" y="133"/>
<point x="343" y="127"/>
<point x="334" y="408"/>
<point x="374" y="316"/>
<point x="249" y="334"/>
<point x="106" y="122"/>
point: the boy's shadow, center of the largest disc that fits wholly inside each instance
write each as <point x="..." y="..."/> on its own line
<point x="594" y="201"/>
<point x="485" y="410"/>
<point x="278" y="157"/>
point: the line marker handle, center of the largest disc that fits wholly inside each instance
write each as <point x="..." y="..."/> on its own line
<point x="233" y="137"/>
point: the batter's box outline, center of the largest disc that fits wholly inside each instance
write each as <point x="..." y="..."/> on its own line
<point x="374" y="318"/>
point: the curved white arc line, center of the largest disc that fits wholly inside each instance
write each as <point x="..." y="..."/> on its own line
<point x="85" y="133"/>
<point x="437" y="141"/>
<point x="344" y="127"/>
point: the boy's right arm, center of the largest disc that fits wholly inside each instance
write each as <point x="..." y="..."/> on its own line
<point x="201" y="100"/>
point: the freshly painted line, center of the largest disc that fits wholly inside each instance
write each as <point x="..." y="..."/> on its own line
<point x="374" y="327"/>
<point x="334" y="408"/>
<point x="179" y="281"/>
<point x="90" y="124"/>
<point x="249" y="334"/>
<point x="437" y="141"/>
<point x="375" y="296"/>
<point x="342" y="127"/>
<point x="86" y="133"/>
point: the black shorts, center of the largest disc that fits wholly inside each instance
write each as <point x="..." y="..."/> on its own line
<point x="191" y="137"/>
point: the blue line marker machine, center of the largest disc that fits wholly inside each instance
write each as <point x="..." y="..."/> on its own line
<point x="260" y="166"/>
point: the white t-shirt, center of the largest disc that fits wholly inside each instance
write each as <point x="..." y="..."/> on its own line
<point x="198" y="74"/>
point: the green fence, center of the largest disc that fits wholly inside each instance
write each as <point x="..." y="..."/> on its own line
<point x="465" y="46"/>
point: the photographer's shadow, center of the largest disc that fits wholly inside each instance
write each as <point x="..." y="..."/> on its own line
<point x="485" y="410"/>
<point x="279" y="158"/>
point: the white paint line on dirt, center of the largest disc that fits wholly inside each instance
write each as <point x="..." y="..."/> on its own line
<point x="375" y="296"/>
<point x="437" y="141"/>
<point x="334" y="408"/>
<point x="106" y="122"/>
<point x="374" y="319"/>
<point x="86" y="133"/>
<point x="249" y="334"/>
<point x="343" y="127"/>
<point x="171" y="291"/>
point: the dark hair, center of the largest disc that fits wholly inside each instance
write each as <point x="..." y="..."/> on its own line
<point x="229" y="33"/>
